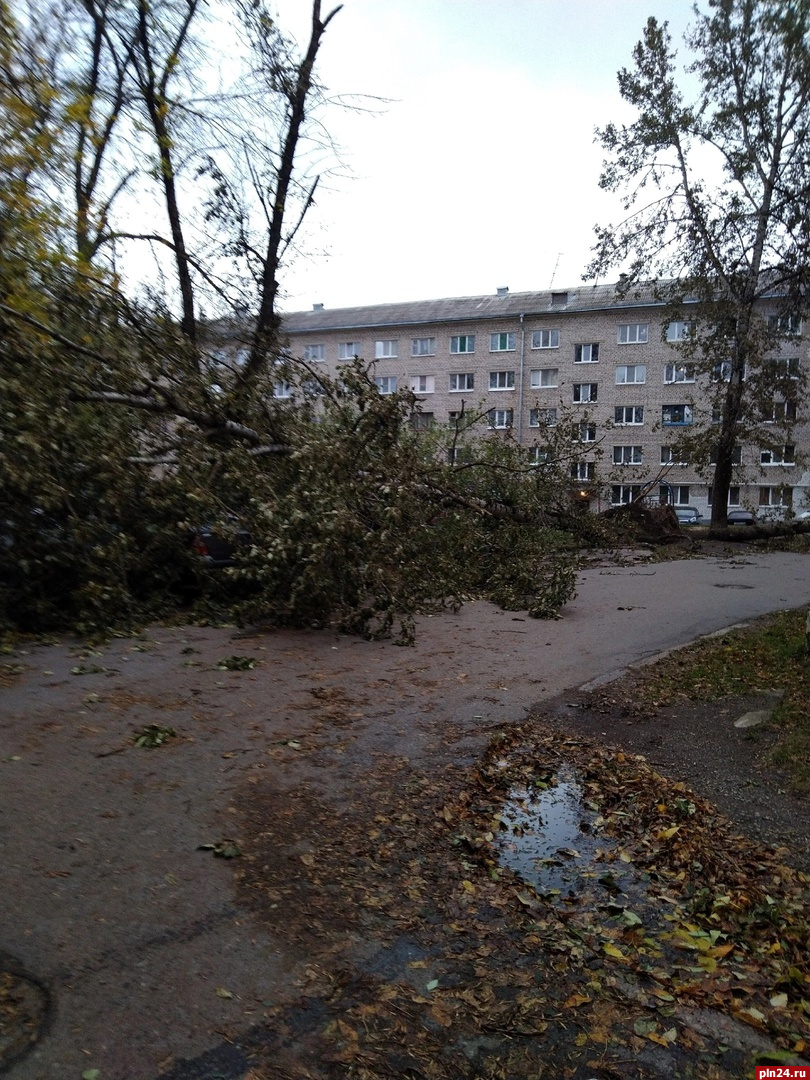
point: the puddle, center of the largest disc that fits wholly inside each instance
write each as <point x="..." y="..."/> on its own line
<point x="549" y="838"/>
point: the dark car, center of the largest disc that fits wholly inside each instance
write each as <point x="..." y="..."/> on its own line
<point x="215" y="550"/>
<point x="741" y="517"/>
<point x="688" y="515"/>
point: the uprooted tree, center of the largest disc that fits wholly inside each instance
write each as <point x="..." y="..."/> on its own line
<point x="715" y="174"/>
<point x="135" y="411"/>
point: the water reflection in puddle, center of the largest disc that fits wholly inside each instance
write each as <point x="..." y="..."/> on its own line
<point x="548" y="838"/>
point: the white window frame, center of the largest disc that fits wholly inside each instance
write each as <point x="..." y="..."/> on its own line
<point x="668" y="457"/>
<point x="545" y="339"/>
<point x="583" y="471"/>
<point x="386" y="384"/>
<point x="468" y="341"/>
<point x="628" y="455"/>
<point x="624" y="370"/>
<point x="733" y="495"/>
<point x="501" y="419"/>
<point x="502" y="342"/>
<point x="633" y="410"/>
<point x="790" y="364"/>
<point x="347" y="350"/>
<point x="624" y="494"/>
<point x="423" y="384"/>
<point x="502" y="380"/>
<point x="424" y="346"/>
<point x="315" y="353"/>
<point x="542" y="417"/>
<point x="282" y="390"/>
<point x="632" y="333"/>
<point x="679" y="373"/>
<point x="539" y="455"/>
<point x="582" y="396"/>
<point x="680" y="331"/>
<point x="468" y="378"/>
<point x="586" y="353"/>
<point x="786" y="455"/>
<point x="587" y="432"/>
<point x="777" y="490"/>
<point x="781" y="413"/>
<point x="786" y="325"/>
<point x="688" y="411"/>
<point x="387" y="349"/>
<point x="543" y="378"/>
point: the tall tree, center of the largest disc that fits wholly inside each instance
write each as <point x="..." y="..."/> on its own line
<point x="715" y="176"/>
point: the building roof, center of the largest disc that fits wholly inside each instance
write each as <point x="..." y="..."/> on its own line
<point x="500" y="305"/>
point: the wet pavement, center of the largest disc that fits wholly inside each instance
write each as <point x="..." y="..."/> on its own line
<point x="110" y="903"/>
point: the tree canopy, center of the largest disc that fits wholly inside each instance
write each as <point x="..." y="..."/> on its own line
<point x="139" y="406"/>
<point x="715" y="175"/>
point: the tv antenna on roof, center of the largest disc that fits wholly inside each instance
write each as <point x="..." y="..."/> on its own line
<point x="554" y="271"/>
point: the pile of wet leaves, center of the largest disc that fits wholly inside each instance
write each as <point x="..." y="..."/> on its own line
<point x="669" y="947"/>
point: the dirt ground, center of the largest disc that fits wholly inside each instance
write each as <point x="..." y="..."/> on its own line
<point x="365" y="925"/>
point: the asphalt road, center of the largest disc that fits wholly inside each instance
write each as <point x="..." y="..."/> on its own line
<point x="107" y="899"/>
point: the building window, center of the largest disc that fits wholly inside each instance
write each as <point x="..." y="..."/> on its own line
<point x="586" y="391"/>
<point x="502" y="380"/>
<point x="789" y="325"/>
<point x="627" y="455"/>
<point x="501" y="418"/>
<point x="385" y="349"/>
<point x="722" y="372"/>
<point x="501" y="342"/>
<point x="314" y="352"/>
<point x="544" y="377"/>
<point x="622" y="494"/>
<point x="545" y="339"/>
<point x="583" y="470"/>
<point x="676" y="415"/>
<point x="783" y="455"/>
<point x="680" y="331"/>
<point x="733" y="496"/>
<point x="632" y="333"/>
<point x="587" y="432"/>
<point x="422" y="421"/>
<point x="736" y="456"/>
<point x="460" y="455"/>
<point x="631" y="373"/>
<point x="784" y="367"/>
<point x="541" y="417"/>
<point x="423" y="346"/>
<point x="776" y="496"/>
<point x="628" y="414"/>
<point x="464" y="380"/>
<point x="679" y="493"/>
<point x="586" y="354"/>
<point x="347" y="350"/>
<point x="539" y="455"/>
<point x="282" y="390"/>
<point x="669" y="457"/>
<point x="463" y="343"/>
<point x="423" y="384"/>
<point x="386" y="384"/>
<point x="679" y="373"/>
<point x="778" y="412"/>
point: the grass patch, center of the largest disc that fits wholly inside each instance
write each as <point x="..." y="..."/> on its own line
<point x="747" y="661"/>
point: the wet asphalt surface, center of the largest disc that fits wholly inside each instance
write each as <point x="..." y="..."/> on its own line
<point x="110" y="903"/>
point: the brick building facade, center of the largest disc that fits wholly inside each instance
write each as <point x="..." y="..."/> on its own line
<point x="526" y="358"/>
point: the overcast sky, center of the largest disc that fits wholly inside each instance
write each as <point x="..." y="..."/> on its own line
<point x="481" y="169"/>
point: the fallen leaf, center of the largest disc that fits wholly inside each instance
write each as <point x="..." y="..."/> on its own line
<point x="221" y="992"/>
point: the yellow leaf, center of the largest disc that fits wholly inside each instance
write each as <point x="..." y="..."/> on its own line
<point x="308" y="860"/>
<point x="611" y="950"/>
<point x="667" y="834"/>
<point x="779" y="1001"/>
<point x="221" y="992"/>
<point x="468" y="886"/>
<point x="576" y="1000"/>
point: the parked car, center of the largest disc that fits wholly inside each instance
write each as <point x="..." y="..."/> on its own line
<point x="214" y="550"/>
<point x="688" y="515"/>
<point x="741" y="517"/>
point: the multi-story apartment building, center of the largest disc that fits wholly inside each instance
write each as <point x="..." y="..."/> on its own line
<point x="525" y="359"/>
